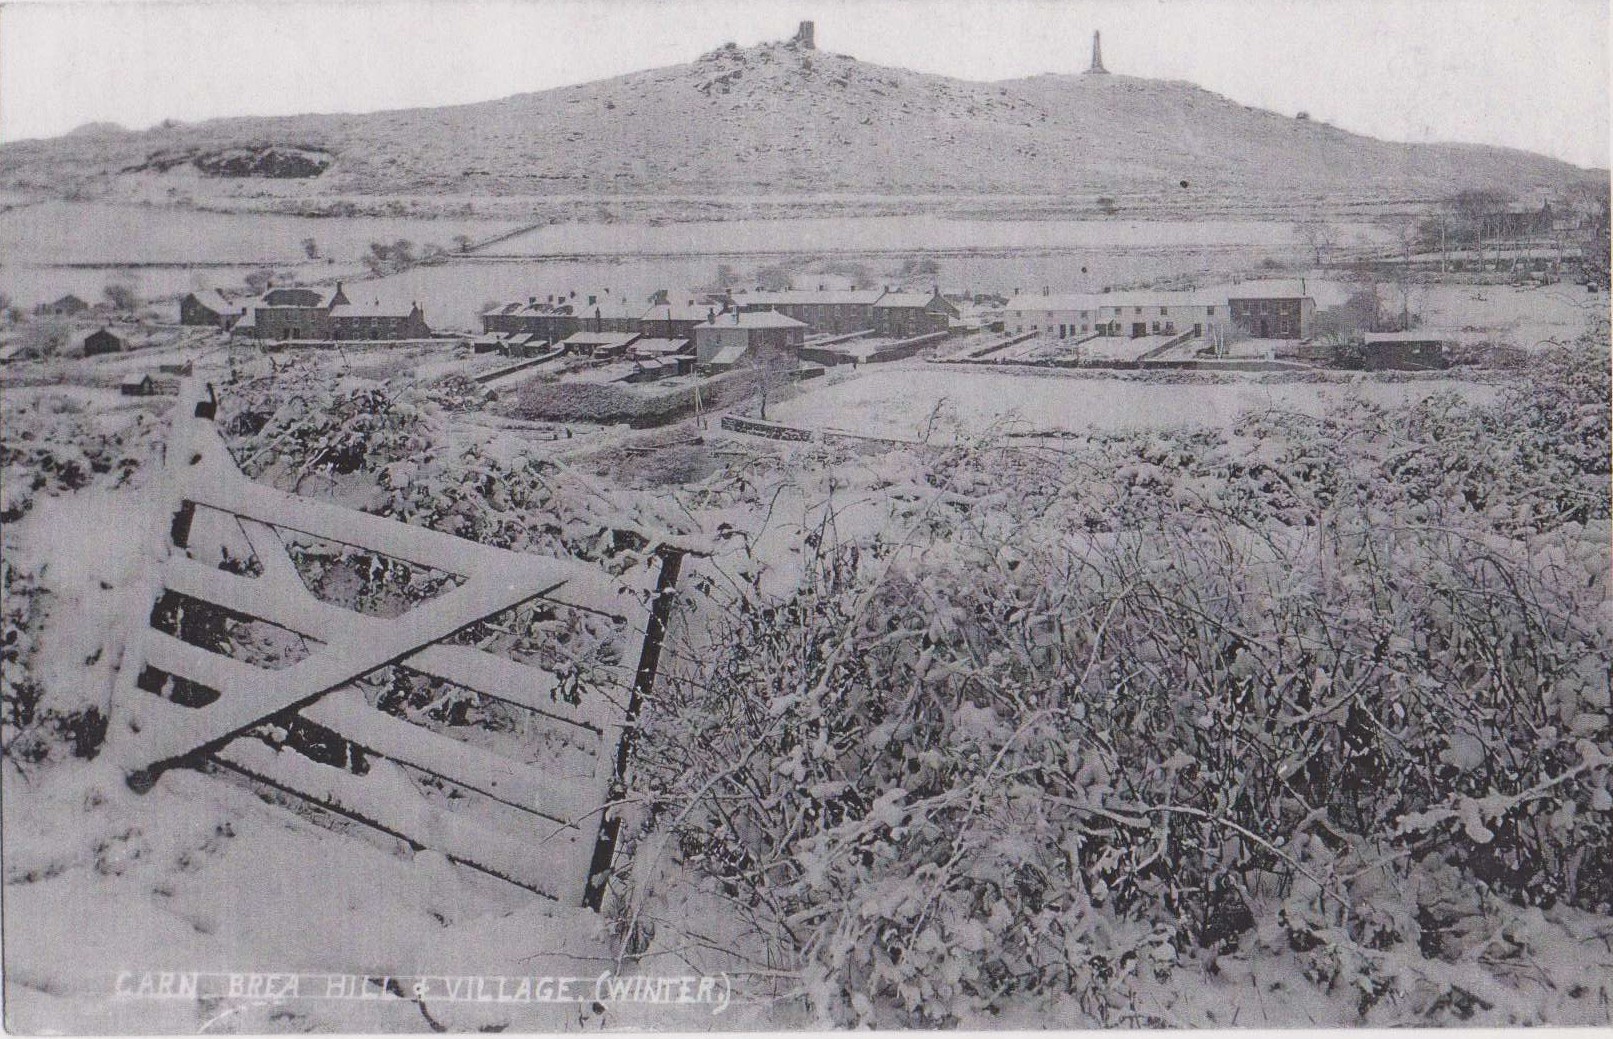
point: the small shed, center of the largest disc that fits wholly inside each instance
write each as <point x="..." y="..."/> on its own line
<point x="1403" y="351"/>
<point x="138" y="384"/>
<point x="68" y="306"/>
<point x="653" y="370"/>
<point x="599" y="344"/>
<point x="209" y="307"/>
<point x="14" y="352"/>
<point x="102" y="341"/>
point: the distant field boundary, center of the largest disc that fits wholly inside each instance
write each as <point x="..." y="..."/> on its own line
<point x="796" y="434"/>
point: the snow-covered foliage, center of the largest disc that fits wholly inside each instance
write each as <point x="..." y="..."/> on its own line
<point x="391" y="450"/>
<point x="1319" y="708"/>
<point x="51" y="446"/>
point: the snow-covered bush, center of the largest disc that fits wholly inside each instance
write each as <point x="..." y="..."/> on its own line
<point x="1302" y="688"/>
<point x="52" y="446"/>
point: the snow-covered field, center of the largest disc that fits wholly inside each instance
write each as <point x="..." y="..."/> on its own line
<point x="899" y="400"/>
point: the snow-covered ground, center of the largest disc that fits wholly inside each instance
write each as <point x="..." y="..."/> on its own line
<point x="207" y="873"/>
<point x="898" y="400"/>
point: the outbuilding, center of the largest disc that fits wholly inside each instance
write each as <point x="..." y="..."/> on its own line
<point x="208" y="307"/>
<point x="68" y="306"/>
<point x="138" y="384"/>
<point x="1403" y="351"/>
<point x="599" y="344"/>
<point x="102" y="341"/>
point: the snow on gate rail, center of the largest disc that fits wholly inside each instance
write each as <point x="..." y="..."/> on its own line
<point x="564" y="845"/>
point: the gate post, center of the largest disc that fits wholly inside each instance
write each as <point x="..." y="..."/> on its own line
<point x="610" y="821"/>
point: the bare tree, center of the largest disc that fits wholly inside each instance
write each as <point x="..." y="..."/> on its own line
<point x="122" y="297"/>
<point x="771" y="373"/>
<point x="1319" y="237"/>
<point x="259" y="281"/>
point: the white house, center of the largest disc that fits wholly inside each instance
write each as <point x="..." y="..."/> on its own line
<point x="1132" y="314"/>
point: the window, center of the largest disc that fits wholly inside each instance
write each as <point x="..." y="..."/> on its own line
<point x="1156" y="328"/>
<point x="1161" y="311"/>
<point x="1209" y="311"/>
<point x="1138" y="310"/>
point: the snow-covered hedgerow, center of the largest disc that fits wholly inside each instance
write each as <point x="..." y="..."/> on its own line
<point x="53" y="445"/>
<point x="392" y="450"/>
<point x="1327" y="693"/>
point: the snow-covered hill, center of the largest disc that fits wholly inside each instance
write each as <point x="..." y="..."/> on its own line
<point x="779" y="119"/>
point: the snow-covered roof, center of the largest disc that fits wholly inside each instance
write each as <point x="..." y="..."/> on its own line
<point x="372" y="309"/>
<point x="753" y="319"/>
<point x="136" y="378"/>
<point x="587" y="304"/>
<point x="687" y="310"/>
<point x="599" y="339"/>
<point x="1094" y="301"/>
<point x="657" y="347"/>
<point x="728" y="354"/>
<point x="905" y="299"/>
<point x="214" y="300"/>
<point x="1284" y="288"/>
<point x="1053" y="301"/>
<point x="795" y="297"/>
<point x="296" y="297"/>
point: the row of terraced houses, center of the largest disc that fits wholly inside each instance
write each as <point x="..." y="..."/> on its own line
<point x="881" y="311"/>
<point x="305" y="314"/>
<point x="1260" y="310"/>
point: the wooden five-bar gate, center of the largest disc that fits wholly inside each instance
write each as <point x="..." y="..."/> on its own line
<point x="180" y="703"/>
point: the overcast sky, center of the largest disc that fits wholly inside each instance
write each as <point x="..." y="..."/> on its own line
<point x="1525" y="73"/>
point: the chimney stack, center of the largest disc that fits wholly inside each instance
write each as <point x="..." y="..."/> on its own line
<point x="805" y="36"/>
